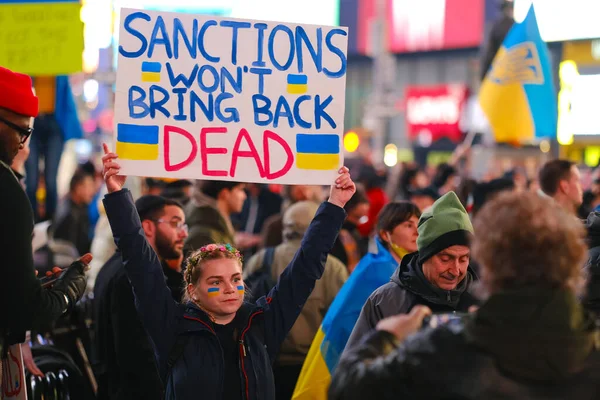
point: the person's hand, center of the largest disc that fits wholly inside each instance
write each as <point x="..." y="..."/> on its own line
<point x="72" y="283"/>
<point x="110" y="169"/>
<point x="56" y="271"/>
<point x="343" y="189"/>
<point x="28" y="361"/>
<point x="404" y="325"/>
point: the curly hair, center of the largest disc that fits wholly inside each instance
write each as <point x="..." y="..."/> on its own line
<point x="195" y="260"/>
<point x="522" y="240"/>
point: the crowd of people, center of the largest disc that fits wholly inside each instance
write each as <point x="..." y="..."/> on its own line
<point x="443" y="288"/>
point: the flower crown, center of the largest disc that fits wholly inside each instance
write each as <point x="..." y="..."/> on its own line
<point x="206" y="251"/>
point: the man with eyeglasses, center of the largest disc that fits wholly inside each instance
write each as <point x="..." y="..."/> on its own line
<point x="123" y="354"/>
<point x="24" y="303"/>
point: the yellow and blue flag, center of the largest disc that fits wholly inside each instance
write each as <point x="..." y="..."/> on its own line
<point x="518" y="94"/>
<point x="137" y="142"/>
<point x="373" y="271"/>
<point x="297" y="83"/>
<point x="151" y="71"/>
<point x="316" y="151"/>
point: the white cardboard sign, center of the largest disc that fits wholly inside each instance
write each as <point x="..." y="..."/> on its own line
<point x="201" y="97"/>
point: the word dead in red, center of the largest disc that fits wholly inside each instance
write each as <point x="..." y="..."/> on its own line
<point x="243" y="139"/>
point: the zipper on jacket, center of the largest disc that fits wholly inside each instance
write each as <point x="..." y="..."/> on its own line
<point x="241" y="342"/>
<point x="448" y="297"/>
<point x="243" y="353"/>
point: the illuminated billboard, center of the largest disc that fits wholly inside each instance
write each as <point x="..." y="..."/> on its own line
<point x="318" y="12"/>
<point x="561" y="20"/>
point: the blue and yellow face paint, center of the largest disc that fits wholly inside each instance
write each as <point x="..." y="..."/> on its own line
<point x="317" y="151"/>
<point x="137" y="142"/>
<point x="213" y="292"/>
<point x="240" y="289"/>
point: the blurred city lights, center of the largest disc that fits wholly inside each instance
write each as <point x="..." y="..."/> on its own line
<point x="390" y="155"/>
<point x="351" y="142"/>
<point x="545" y="146"/>
<point x="90" y="90"/>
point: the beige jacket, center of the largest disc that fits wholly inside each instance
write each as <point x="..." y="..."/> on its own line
<point x="295" y="347"/>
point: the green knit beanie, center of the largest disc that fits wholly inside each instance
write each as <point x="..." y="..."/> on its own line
<point x="444" y="225"/>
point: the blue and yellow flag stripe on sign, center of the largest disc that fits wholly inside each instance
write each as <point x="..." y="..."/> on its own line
<point x="517" y="94"/>
<point x="151" y="71"/>
<point x="137" y="142"/>
<point x="317" y="151"/>
<point x="297" y="84"/>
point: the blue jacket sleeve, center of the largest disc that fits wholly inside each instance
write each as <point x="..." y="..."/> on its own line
<point x="298" y="279"/>
<point x="154" y="302"/>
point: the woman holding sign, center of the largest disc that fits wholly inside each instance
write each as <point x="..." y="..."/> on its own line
<point x="215" y="345"/>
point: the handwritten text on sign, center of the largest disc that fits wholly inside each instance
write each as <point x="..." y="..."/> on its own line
<point x="213" y="98"/>
<point x="41" y="38"/>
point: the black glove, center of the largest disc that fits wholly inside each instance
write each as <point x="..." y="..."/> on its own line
<point x="72" y="283"/>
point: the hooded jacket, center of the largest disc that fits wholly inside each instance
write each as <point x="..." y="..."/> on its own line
<point x="200" y="370"/>
<point x="407" y="288"/>
<point x="546" y="348"/>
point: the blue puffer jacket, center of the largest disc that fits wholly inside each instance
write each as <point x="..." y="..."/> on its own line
<point x="199" y="372"/>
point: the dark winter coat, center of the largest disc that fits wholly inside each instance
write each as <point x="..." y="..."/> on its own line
<point x="24" y="304"/>
<point x="526" y="344"/>
<point x="407" y="288"/>
<point x="199" y="372"/>
<point x="123" y="353"/>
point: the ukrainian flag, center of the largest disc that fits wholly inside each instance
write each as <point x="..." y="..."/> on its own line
<point x="373" y="271"/>
<point x="297" y="84"/>
<point x="517" y="94"/>
<point x="151" y="71"/>
<point x="137" y="142"/>
<point x="317" y="151"/>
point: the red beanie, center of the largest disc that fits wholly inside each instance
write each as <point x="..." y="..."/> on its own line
<point x="16" y="93"/>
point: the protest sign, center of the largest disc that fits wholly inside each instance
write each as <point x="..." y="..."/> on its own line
<point x="12" y="385"/>
<point x="41" y="37"/>
<point x="200" y="97"/>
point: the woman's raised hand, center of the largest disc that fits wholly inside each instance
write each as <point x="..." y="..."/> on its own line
<point x="343" y="189"/>
<point x="110" y="170"/>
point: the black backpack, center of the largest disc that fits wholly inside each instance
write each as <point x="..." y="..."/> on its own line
<point x="260" y="282"/>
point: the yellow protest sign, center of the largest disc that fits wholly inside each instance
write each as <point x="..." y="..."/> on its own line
<point x="41" y="38"/>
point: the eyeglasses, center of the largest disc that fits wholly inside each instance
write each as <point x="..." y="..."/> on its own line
<point x="24" y="132"/>
<point x="180" y="226"/>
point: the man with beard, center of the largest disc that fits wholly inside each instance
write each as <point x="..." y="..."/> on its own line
<point x="124" y="356"/>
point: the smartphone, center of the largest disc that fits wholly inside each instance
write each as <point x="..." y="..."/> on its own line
<point x="48" y="281"/>
<point x="435" y="320"/>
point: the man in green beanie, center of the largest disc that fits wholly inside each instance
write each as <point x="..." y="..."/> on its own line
<point x="437" y="275"/>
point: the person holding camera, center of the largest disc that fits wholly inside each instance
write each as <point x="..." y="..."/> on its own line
<point x="531" y="339"/>
<point x="438" y="275"/>
<point x="24" y="303"/>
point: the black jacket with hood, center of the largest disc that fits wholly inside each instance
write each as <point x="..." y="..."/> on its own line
<point x="546" y="348"/>
<point x="407" y="288"/>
